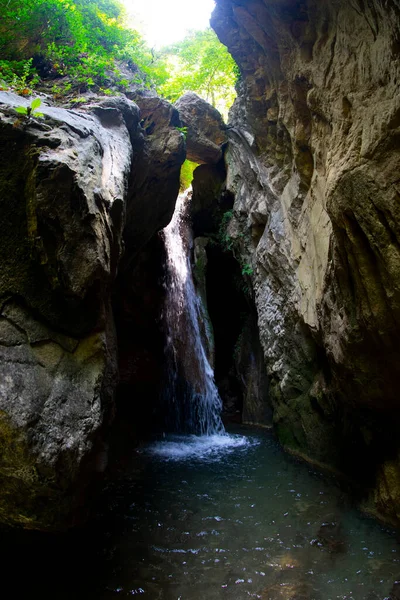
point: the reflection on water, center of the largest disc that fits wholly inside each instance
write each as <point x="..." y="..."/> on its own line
<point x="213" y="518"/>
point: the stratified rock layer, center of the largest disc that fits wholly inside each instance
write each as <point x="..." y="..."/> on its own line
<point x="69" y="192"/>
<point x="314" y="164"/>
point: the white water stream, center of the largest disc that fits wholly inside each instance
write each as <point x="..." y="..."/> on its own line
<point x="191" y="394"/>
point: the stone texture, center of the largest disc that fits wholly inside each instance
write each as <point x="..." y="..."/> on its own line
<point x="205" y="129"/>
<point x="313" y="162"/>
<point x="208" y="190"/>
<point x="252" y="376"/>
<point x="68" y="186"/>
<point x="137" y="305"/>
<point x="200" y="261"/>
<point x="155" y="178"/>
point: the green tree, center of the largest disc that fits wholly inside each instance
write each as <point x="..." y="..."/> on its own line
<point x="81" y="38"/>
<point x="200" y="63"/>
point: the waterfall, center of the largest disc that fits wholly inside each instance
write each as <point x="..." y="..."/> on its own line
<point x="190" y="395"/>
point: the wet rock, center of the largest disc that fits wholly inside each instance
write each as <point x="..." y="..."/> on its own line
<point x="252" y="376"/>
<point x="395" y="591"/>
<point x="155" y="176"/>
<point x="137" y="304"/>
<point x="208" y="197"/>
<point x="205" y="129"/>
<point x="330" y="537"/>
<point x="313" y="163"/>
<point x="67" y="189"/>
<point x="199" y="273"/>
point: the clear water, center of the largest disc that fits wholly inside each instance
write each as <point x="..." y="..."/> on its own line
<point x="207" y="517"/>
<point x="234" y="517"/>
<point x="211" y="518"/>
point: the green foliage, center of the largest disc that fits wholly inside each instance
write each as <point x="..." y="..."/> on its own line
<point x="79" y="38"/>
<point x="30" y="111"/>
<point x="85" y="39"/>
<point x="187" y="174"/>
<point x="200" y="63"/>
<point x="17" y="74"/>
<point x="183" y="130"/>
<point x="224" y="238"/>
<point x="247" y="269"/>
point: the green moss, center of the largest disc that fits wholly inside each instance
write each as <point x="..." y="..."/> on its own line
<point x="30" y="495"/>
<point x="18" y="475"/>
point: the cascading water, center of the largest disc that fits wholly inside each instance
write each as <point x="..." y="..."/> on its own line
<point x="190" y="394"/>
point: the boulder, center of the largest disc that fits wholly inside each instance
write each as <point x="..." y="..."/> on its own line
<point x="205" y="129"/>
<point x="207" y="199"/>
<point x="155" y="177"/>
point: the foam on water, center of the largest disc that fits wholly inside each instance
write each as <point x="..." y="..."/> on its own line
<point x="206" y="447"/>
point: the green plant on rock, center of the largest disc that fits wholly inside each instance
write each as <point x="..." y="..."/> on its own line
<point x="30" y="111"/>
<point x="224" y="238"/>
<point x="79" y="100"/>
<point x="18" y="75"/>
<point x="183" y="130"/>
<point x="247" y="269"/>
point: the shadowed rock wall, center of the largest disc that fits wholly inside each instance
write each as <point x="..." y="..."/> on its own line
<point x="72" y="186"/>
<point x="314" y="163"/>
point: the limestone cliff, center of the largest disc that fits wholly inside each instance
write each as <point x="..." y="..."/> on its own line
<point x="78" y="189"/>
<point x="314" y="162"/>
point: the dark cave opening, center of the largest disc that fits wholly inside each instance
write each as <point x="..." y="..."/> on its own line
<point x="228" y="309"/>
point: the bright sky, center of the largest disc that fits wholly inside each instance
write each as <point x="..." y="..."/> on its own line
<point x="164" y="22"/>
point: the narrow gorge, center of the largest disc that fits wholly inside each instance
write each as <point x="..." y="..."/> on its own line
<point x="210" y="396"/>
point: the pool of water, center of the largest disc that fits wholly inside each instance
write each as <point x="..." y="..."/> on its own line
<point x="225" y="517"/>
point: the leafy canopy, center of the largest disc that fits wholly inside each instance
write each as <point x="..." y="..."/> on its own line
<point x="200" y="63"/>
<point x="85" y="40"/>
<point x="80" y="38"/>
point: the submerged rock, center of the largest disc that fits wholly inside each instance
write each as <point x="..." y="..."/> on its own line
<point x="331" y="537"/>
<point x="290" y="591"/>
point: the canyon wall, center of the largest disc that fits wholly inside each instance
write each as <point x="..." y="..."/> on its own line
<point x="313" y="161"/>
<point x="82" y="193"/>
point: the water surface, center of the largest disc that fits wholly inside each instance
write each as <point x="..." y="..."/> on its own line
<point x="233" y="517"/>
<point x="211" y="518"/>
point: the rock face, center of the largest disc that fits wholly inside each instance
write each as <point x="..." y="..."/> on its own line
<point x="314" y="164"/>
<point x="155" y="179"/>
<point x="205" y="129"/>
<point x="70" y="193"/>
